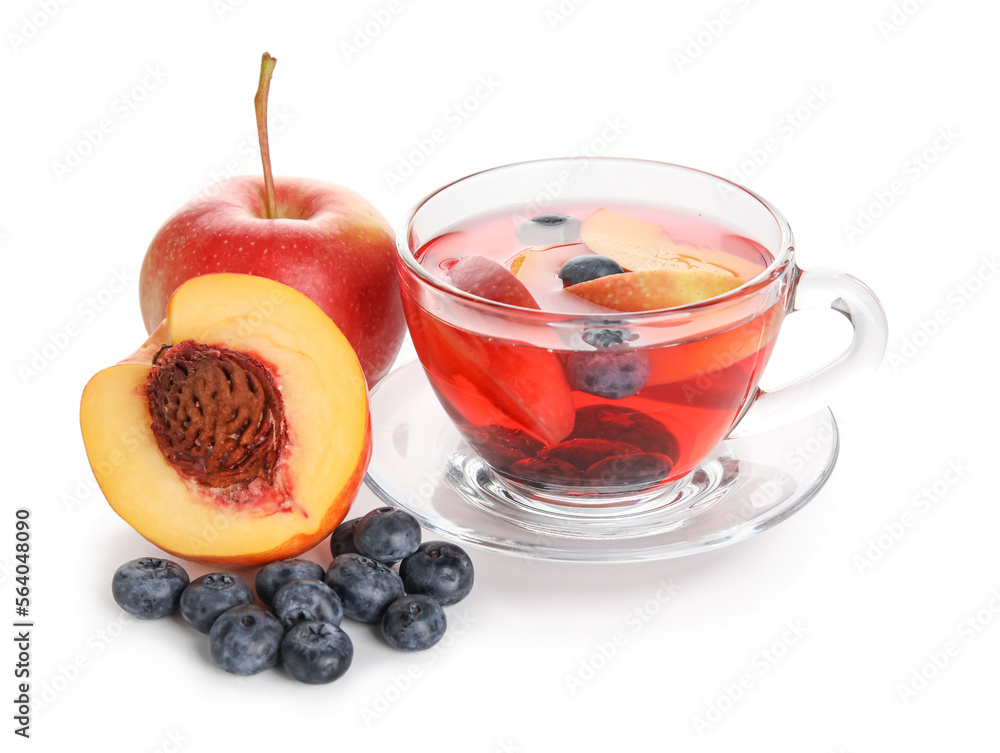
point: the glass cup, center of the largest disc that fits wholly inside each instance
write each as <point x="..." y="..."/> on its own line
<point x="509" y="377"/>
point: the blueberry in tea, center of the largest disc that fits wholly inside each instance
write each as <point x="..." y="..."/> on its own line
<point x="588" y="267"/>
<point x="614" y="373"/>
<point x="547" y="229"/>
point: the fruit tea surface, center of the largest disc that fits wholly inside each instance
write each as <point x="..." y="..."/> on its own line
<point x="605" y="410"/>
<point x="640" y="238"/>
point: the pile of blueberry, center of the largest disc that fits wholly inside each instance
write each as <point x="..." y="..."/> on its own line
<point x="300" y="622"/>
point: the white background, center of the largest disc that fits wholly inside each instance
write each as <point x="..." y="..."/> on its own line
<point x="907" y="93"/>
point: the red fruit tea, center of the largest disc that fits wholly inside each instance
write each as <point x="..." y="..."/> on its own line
<point x="597" y="401"/>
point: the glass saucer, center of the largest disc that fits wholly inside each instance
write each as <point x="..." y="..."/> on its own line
<point x="420" y="463"/>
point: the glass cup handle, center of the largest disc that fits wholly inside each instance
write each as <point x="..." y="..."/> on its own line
<point x="849" y="296"/>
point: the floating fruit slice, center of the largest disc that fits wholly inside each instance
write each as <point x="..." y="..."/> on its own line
<point x="483" y="380"/>
<point x="655" y="288"/>
<point x="542" y="262"/>
<point x="518" y="262"/>
<point x="239" y="433"/>
<point x="488" y="279"/>
<point x="710" y="355"/>
<point x="725" y="389"/>
<point x="526" y="383"/>
<point x="641" y="246"/>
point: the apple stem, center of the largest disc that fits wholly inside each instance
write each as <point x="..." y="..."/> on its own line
<point x="260" y="105"/>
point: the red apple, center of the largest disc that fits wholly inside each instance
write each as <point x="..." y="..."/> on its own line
<point x="322" y="239"/>
<point x="327" y="242"/>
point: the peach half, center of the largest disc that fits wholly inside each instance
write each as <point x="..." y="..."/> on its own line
<point x="239" y="433"/>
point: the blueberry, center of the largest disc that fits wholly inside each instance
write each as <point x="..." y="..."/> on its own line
<point x="413" y="623"/>
<point x="614" y="373"/>
<point x="549" y="228"/>
<point x="307" y="600"/>
<point x="439" y="570"/>
<point x="387" y="534"/>
<point x="607" y="337"/>
<point x="588" y="267"/>
<point x="149" y="587"/>
<point x="210" y="595"/>
<point x="316" y="652"/>
<point x="273" y="576"/>
<point x="365" y="587"/>
<point x="551" y="220"/>
<point x="342" y="539"/>
<point x="245" y="640"/>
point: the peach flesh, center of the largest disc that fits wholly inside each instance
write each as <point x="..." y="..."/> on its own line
<point x="320" y="464"/>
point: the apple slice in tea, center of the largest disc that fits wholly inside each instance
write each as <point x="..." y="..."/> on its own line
<point x="655" y="288"/>
<point x="526" y="383"/>
<point x="641" y="246"/>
